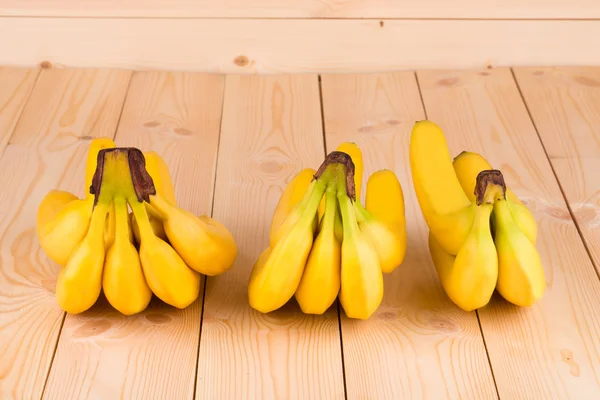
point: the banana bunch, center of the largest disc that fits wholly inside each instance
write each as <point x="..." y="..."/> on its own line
<point x="482" y="238"/>
<point x="156" y="248"/>
<point x="323" y="243"/>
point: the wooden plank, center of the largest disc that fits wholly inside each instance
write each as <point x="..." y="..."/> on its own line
<point x="552" y="349"/>
<point x="15" y="88"/>
<point x="271" y="129"/>
<point x="564" y="105"/>
<point x="249" y="46"/>
<point x="417" y="344"/>
<point x="153" y="353"/>
<point x="491" y="9"/>
<point x="48" y="150"/>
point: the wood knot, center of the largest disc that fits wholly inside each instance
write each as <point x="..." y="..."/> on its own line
<point x="45" y="65"/>
<point x="241" y="61"/>
<point x="158" y="318"/>
<point x="448" y="82"/>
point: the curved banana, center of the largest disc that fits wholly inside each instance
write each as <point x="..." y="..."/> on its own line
<point x="384" y="215"/>
<point x="293" y="193"/>
<point x="320" y="281"/>
<point x="467" y="165"/>
<point x="63" y="229"/>
<point x="469" y="278"/>
<point x="277" y="272"/>
<point x="123" y="279"/>
<point x="361" y="290"/>
<point x="447" y="210"/>
<point x="521" y="277"/>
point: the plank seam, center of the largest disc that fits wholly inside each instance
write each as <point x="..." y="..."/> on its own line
<point x="212" y="208"/>
<point x="338" y="307"/>
<point x="14" y="129"/>
<point x="487" y="353"/>
<point x="564" y="195"/>
<point x="64" y="314"/>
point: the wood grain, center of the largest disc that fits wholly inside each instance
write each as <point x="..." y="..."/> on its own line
<point x="15" y="88"/>
<point x="491" y="9"/>
<point x="102" y="353"/>
<point x="271" y="129"/>
<point x="417" y="344"/>
<point x="250" y="46"/>
<point x="550" y="350"/>
<point x="48" y="148"/>
<point x="564" y="104"/>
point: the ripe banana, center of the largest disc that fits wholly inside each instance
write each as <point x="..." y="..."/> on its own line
<point x="469" y="278"/>
<point x="361" y="289"/>
<point x="320" y="281"/>
<point x="447" y="210"/>
<point x="61" y="223"/>
<point x="521" y="278"/>
<point x="277" y="272"/>
<point x="293" y="193"/>
<point x="123" y="279"/>
<point x="467" y="165"/>
<point x="384" y="204"/>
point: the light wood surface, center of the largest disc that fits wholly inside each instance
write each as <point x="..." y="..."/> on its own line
<point x="249" y="46"/>
<point x="271" y="129"/>
<point x="48" y="149"/>
<point x="243" y="138"/>
<point x="417" y="344"/>
<point x="176" y="115"/>
<point x="491" y="9"/>
<point x="551" y="349"/>
<point x="566" y="101"/>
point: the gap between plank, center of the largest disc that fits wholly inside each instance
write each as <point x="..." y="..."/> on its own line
<point x="487" y="353"/>
<point x="64" y="314"/>
<point x="212" y="208"/>
<point x="338" y="306"/>
<point x="564" y="195"/>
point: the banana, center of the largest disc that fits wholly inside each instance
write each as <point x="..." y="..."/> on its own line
<point x="355" y="153"/>
<point x="447" y="210"/>
<point x="278" y="271"/>
<point x="204" y="244"/>
<point x="80" y="281"/>
<point x="155" y="223"/>
<point x="61" y="224"/>
<point x="467" y="165"/>
<point x="166" y="273"/>
<point x="521" y="278"/>
<point x="383" y="218"/>
<point x="320" y="281"/>
<point x="469" y="277"/>
<point x="123" y="279"/>
<point x="361" y="289"/>
<point x="291" y="196"/>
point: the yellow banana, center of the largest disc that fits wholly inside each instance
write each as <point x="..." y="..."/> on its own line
<point x="167" y="275"/>
<point x="384" y="220"/>
<point x="469" y="278"/>
<point x="467" y="165"/>
<point x="80" y="281"/>
<point x="355" y="153"/>
<point x="123" y="279"/>
<point x="203" y="243"/>
<point x="447" y="210"/>
<point x="521" y="278"/>
<point x="361" y="289"/>
<point x="63" y="229"/>
<point x="277" y="273"/>
<point x="291" y="196"/>
<point x="320" y="281"/>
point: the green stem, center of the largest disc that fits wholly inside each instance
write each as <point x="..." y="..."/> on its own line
<point x="141" y="217"/>
<point x="121" y="221"/>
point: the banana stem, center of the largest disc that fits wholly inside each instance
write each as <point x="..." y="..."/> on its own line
<point x="488" y="184"/>
<point x="343" y="159"/>
<point x="121" y="221"/>
<point x="143" y="221"/>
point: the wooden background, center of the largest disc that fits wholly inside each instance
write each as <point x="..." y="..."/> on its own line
<point x="274" y="36"/>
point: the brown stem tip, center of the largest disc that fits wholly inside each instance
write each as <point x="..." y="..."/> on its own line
<point x="484" y="179"/>
<point x="141" y="179"/>
<point x="339" y="157"/>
